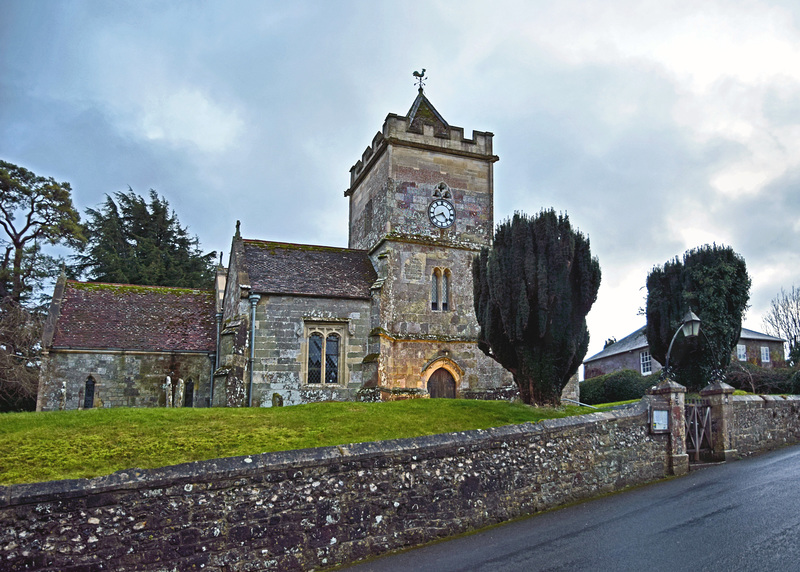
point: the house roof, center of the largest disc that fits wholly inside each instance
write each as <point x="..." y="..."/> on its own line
<point x="638" y="340"/>
<point x="635" y="341"/>
<point x="753" y="335"/>
<point x="306" y="270"/>
<point x="96" y="315"/>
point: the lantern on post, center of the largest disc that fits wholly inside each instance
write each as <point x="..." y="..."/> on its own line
<point x="690" y="328"/>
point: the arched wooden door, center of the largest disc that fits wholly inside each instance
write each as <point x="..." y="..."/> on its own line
<point x="442" y="384"/>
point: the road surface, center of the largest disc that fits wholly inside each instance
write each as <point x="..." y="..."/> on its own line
<point x="743" y="515"/>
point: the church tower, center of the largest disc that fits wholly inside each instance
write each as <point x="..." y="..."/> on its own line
<point x="421" y="204"/>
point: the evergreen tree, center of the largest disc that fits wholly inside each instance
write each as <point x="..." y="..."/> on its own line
<point x="712" y="282"/>
<point x="34" y="211"/>
<point x="132" y="241"/>
<point x="533" y="289"/>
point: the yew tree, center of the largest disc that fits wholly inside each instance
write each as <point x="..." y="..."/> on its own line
<point x="533" y="289"/>
<point x="711" y="281"/>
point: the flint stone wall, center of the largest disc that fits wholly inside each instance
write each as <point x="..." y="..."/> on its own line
<point x="765" y="422"/>
<point x="316" y="508"/>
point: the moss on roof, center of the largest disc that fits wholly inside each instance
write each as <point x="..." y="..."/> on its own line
<point x="273" y="246"/>
<point x="133" y="288"/>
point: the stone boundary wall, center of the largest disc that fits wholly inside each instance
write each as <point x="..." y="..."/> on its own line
<point x="316" y="508"/>
<point x="765" y="422"/>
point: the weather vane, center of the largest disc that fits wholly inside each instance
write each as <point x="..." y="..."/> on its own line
<point x="420" y="78"/>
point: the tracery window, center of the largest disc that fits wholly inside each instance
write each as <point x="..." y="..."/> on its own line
<point x="324" y="353"/>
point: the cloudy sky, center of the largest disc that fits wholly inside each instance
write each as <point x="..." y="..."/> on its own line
<point x="657" y="126"/>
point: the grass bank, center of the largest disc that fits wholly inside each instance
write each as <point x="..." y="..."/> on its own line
<point x="81" y="444"/>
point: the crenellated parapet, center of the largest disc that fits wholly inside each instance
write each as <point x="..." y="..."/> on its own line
<point x="423" y="128"/>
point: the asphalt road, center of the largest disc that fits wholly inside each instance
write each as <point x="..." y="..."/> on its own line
<point x="743" y="515"/>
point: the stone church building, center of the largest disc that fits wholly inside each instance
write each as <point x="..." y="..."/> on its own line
<point x="389" y="317"/>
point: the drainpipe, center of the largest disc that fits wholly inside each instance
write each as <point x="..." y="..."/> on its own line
<point x="211" y="390"/>
<point x="254" y="298"/>
<point x="215" y="361"/>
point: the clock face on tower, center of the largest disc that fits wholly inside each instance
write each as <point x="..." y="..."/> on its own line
<point x="442" y="213"/>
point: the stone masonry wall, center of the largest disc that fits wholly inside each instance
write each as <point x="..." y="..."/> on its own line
<point x="317" y="508"/>
<point x="413" y="335"/>
<point x="122" y="379"/>
<point x="764" y="422"/>
<point x="281" y="348"/>
<point x="627" y="360"/>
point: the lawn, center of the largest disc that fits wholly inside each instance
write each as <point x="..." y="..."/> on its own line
<point x="80" y="444"/>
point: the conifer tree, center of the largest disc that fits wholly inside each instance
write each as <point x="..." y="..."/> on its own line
<point x="34" y="211"/>
<point x="711" y="281"/>
<point x="533" y="289"/>
<point x="132" y="241"/>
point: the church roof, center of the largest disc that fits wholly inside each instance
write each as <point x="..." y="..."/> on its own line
<point x="305" y="270"/>
<point x="97" y="316"/>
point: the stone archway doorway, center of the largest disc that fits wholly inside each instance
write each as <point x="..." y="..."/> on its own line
<point x="442" y="384"/>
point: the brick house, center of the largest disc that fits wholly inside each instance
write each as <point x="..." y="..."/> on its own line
<point x="633" y="352"/>
<point x="389" y="317"/>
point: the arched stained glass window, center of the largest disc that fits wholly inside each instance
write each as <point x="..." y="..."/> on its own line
<point x="332" y="359"/>
<point x="315" y="358"/>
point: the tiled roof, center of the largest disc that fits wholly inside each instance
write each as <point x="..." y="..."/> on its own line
<point x="303" y="270"/>
<point x="147" y="318"/>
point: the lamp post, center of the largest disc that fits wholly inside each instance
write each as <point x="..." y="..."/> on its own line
<point x="690" y="328"/>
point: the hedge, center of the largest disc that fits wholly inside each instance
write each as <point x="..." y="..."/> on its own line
<point x="617" y="386"/>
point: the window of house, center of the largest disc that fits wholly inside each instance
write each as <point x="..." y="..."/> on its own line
<point x="741" y="352"/>
<point x="324" y="353"/>
<point x="88" y="393"/>
<point x="646" y="362"/>
<point x="764" y="354"/>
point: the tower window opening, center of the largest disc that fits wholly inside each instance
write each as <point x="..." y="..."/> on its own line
<point x="435" y="289"/>
<point x="446" y="291"/>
